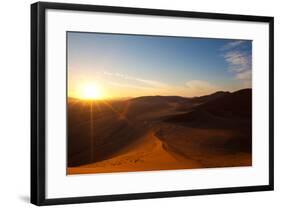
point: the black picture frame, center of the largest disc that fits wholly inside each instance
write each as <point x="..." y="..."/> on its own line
<point x="38" y="106"/>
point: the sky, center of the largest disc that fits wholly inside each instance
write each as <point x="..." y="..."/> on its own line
<point x="139" y="65"/>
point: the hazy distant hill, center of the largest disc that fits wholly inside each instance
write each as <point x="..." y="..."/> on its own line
<point x="161" y="99"/>
<point x="207" y="98"/>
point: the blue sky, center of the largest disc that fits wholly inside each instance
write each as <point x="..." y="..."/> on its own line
<point x="137" y="65"/>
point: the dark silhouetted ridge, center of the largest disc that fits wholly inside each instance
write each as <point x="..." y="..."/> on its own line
<point x="237" y="104"/>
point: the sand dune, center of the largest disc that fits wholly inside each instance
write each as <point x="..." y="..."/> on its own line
<point x="160" y="133"/>
<point x="147" y="153"/>
<point x="208" y="147"/>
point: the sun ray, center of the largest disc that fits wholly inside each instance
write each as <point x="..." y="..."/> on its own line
<point x="120" y="115"/>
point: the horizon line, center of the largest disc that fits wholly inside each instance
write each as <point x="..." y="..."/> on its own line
<point x="128" y="97"/>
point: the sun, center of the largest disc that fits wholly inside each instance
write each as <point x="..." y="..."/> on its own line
<point x="91" y="91"/>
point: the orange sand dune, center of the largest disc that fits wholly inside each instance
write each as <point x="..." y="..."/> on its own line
<point x="147" y="153"/>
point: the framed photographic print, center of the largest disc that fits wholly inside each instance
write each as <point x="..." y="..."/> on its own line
<point x="134" y="103"/>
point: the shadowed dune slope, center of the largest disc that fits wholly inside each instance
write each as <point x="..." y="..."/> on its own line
<point x="215" y="132"/>
<point x="236" y="104"/>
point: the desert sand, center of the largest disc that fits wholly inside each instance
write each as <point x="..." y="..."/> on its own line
<point x="160" y="133"/>
<point x="148" y="153"/>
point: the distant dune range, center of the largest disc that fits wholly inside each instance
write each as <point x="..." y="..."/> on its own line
<point x="160" y="133"/>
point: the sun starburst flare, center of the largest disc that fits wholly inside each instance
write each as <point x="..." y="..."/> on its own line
<point x="91" y="91"/>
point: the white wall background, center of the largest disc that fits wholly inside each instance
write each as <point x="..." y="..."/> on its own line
<point x="14" y="103"/>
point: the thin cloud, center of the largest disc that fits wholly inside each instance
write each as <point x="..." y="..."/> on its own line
<point x="239" y="61"/>
<point x="237" y="58"/>
<point x="245" y="75"/>
<point x="145" y="82"/>
<point x="124" y="85"/>
<point x="240" y="64"/>
<point x="189" y="89"/>
<point x="232" y="45"/>
<point x="201" y="87"/>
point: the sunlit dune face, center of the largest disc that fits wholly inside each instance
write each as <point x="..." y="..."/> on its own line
<point x="91" y="92"/>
